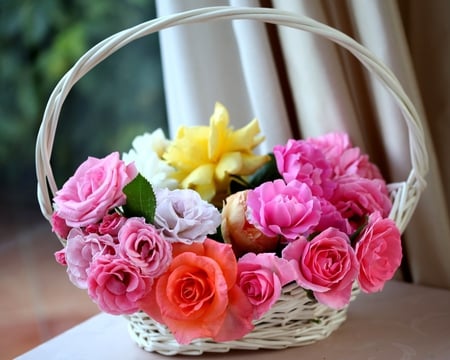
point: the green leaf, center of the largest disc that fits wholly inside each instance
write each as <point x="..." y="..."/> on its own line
<point x="141" y="200"/>
<point x="267" y="172"/>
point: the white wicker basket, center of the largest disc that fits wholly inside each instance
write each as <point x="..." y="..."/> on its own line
<point x="294" y="320"/>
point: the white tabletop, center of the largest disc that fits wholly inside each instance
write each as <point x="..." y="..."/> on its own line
<point x="402" y="322"/>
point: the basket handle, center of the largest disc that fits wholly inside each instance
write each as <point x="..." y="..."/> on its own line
<point x="406" y="193"/>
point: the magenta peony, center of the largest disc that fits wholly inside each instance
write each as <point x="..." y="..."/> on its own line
<point x="288" y="210"/>
<point x="343" y="158"/>
<point x="302" y="161"/>
<point x="357" y="197"/>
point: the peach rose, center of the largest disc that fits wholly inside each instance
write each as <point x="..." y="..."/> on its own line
<point x="197" y="296"/>
<point x="238" y="232"/>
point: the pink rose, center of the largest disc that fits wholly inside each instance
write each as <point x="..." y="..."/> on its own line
<point x="261" y="277"/>
<point x="80" y="251"/>
<point x="141" y="244"/>
<point x="300" y="160"/>
<point x="356" y="197"/>
<point x="327" y="265"/>
<point x="94" y="189"/>
<point x="116" y="285"/>
<point x="379" y="252"/>
<point x="197" y="297"/>
<point x="288" y="210"/>
<point x="237" y="231"/>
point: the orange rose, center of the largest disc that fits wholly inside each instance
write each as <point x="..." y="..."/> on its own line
<point x="238" y="232"/>
<point x="198" y="297"/>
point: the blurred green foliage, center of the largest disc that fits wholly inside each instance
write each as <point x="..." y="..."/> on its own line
<point x="119" y="99"/>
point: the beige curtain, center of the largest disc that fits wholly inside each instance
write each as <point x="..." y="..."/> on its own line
<point x="297" y="84"/>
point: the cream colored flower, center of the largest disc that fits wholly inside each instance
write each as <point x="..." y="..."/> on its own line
<point x="146" y="154"/>
<point x="206" y="156"/>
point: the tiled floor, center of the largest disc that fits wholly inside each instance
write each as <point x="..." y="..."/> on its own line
<point x="37" y="300"/>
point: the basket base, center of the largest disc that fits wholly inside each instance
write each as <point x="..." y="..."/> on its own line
<point x="293" y="321"/>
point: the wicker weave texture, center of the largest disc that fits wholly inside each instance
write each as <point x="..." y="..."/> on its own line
<point x="293" y="321"/>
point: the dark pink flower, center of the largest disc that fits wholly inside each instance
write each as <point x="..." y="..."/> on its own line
<point x="111" y="224"/>
<point x="327" y="265"/>
<point x="303" y="161"/>
<point x="379" y="252"/>
<point x="116" y="285"/>
<point x="288" y="210"/>
<point x="60" y="257"/>
<point x="94" y="189"/>
<point x="143" y="246"/>
<point x="357" y="197"/>
<point x="59" y="226"/>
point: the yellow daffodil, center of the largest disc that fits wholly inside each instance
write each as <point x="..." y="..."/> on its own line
<point x="206" y="156"/>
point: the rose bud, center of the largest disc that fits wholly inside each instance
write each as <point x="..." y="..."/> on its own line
<point x="238" y="232"/>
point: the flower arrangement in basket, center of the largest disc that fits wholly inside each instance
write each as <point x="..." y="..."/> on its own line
<point x="202" y="235"/>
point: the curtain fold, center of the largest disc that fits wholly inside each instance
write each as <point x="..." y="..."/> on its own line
<point x="234" y="63"/>
<point x="379" y="27"/>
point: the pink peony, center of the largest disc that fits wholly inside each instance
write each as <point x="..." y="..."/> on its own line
<point x="327" y="265"/>
<point x="356" y="197"/>
<point x="80" y="251"/>
<point x="141" y="244"/>
<point x="379" y="253"/>
<point x="331" y="217"/>
<point x="94" y="189"/>
<point x="197" y="297"/>
<point x="300" y="160"/>
<point x="332" y="145"/>
<point x="288" y="210"/>
<point x="261" y="277"/>
<point x="116" y="285"/>
<point x="343" y="157"/>
<point x="183" y="216"/>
